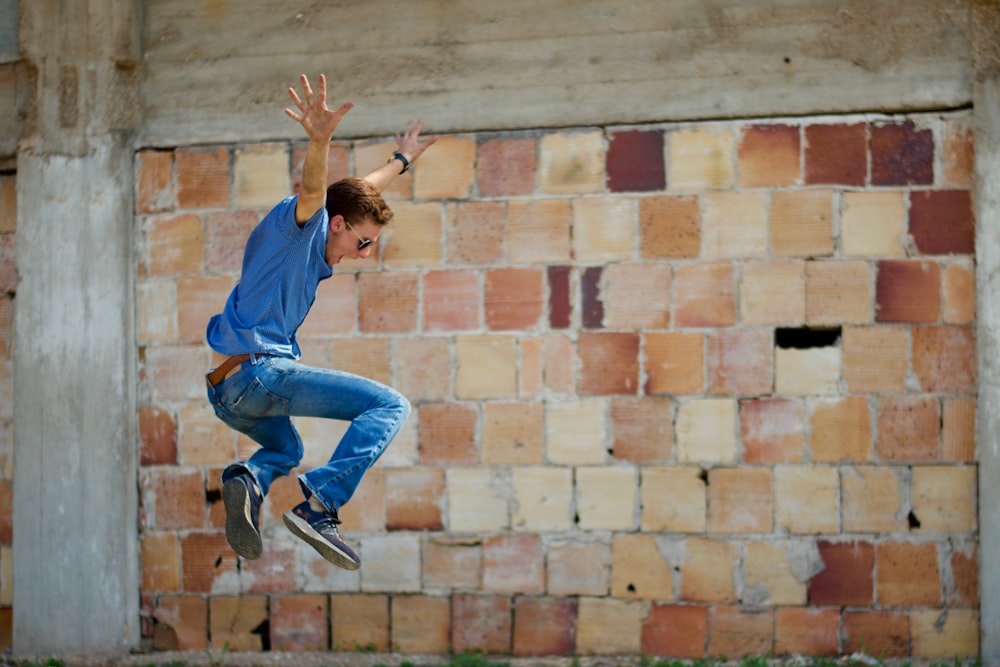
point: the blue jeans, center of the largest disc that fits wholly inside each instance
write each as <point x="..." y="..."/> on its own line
<point x="260" y="398"/>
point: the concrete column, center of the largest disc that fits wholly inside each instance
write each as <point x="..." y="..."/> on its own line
<point x="75" y="499"/>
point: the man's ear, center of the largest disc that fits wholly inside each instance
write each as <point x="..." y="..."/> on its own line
<point x="336" y="223"/>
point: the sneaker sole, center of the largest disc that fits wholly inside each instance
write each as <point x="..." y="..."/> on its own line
<point x="242" y="536"/>
<point x="302" y="529"/>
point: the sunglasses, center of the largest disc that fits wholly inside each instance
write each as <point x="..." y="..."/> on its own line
<point x="362" y="243"/>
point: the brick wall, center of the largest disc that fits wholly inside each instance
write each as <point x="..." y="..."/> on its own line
<point x="8" y="288"/>
<point x="681" y="390"/>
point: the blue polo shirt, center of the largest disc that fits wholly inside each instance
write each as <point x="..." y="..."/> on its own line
<point x="283" y="265"/>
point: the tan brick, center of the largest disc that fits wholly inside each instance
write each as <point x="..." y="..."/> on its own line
<point x="838" y="292"/>
<point x="606" y="498"/>
<point x="531" y="377"/>
<point x="481" y="623"/>
<point x="198" y="299"/>
<point x="261" y="175"/>
<point x="603" y="229"/>
<point x="413" y="499"/>
<point x="476" y="501"/>
<point x="232" y="621"/>
<point x="959" y="294"/>
<point x="807" y="372"/>
<point x="770" y="576"/>
<point x="156" y="312"/>
<point x="909" y="428"/>
<point x="841" y="430"/>
<point x="881" y="633"/>
<point x="957" y="152"/>
<point x="204" y="438"/>
<point x="335" y="310"/>
<point x="608" y="626"/>
<point x="673" y="499"/>
<point x="392" y="563"/>
<point x="806" y="631"/>
<point x="773" y="430"/>
<point x="800" y="223"/>
<point x="944" y="498"/>
<point x="174" y="245"/>
<point x="964" y="591"/>
<point x="870" y="497"/>
<point x="512" y="433"/>
<point x="513" y="298"/>
<point x="513" y="564"/>
<point x="160" y="562"/>
<point x="451" y="300"/>
<point x="538" y="231"/>
<point x="486" y="366"/>
<point x="944" y="358"/>
<point x="706" y="431"/>
<point x="773" y="292"/>
<point x="423" y="368"/>
<point x="875" y="359"/>
<point x="669" y="227"/>
<point x="366" y="511"/>
<point x="707" y="573"/>
<point x="299" y="623"/>
<point x="675" y="630"/>
<point x="701" y="158"/>
<point x="908" y="575"/>
<point x="821" y="485"/>
<point x="734" y="224"/>
<point x="578" y="568"/>
<point x="674" y="362"/>
<point x="543" y="499"/>
<point x="769" y="155"/>
<point x="704" y="295"/>
<point x="181" y="623"/>
<point x="642" y="429"/>
<point x="387" y="302"/>
<point x="475" y="232"/>
<point x="560" y="364"/>
<point x="636" y="296"/>
<point x="447" y="171"/>
<point x="155" y="189"/>
<point x="452" y="563"/>
<point x="360" y="622"/>
<point x="414" y="238"/>
<point x="639" y="569"/>
<point x="448" y="434"/>
<point x="733" y="631"/>
<point x="609" y="362"/>
<point x="421" y="624"/>
<point x="175" y="498"/>
<point x="740" y="361"/>
<point x="574" y="432"/>
<point x="944" y="635"/>
<point x="739" y="500"/>
<point x="367" y="357"/>
<point x="571" y="162"/>
<point x="544" y="626"/>
<point x="872" y="224"/>
<point x="958" y="429"/>
<point x="371" y="155"/>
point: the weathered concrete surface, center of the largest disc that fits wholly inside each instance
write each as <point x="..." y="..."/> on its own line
<point x="217" y="72"/>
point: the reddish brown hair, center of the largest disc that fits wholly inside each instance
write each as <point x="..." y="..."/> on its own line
<point x="357" y="199"/>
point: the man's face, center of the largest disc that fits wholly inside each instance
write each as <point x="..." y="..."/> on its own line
<point x="355" y="241"/>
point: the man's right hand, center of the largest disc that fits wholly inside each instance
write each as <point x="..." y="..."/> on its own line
<point x="318" y="121"/>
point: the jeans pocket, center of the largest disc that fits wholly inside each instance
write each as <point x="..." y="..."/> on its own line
<point x="257" y="401"/>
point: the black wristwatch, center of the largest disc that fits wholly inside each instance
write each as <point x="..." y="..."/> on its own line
<point x="402" y="158"/>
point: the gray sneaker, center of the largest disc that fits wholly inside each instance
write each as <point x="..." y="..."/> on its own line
<point x="242" y="498"/>
<point x="319" y="529"/>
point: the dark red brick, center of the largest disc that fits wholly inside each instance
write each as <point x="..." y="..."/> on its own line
<point x="908" y="291"/>
<point x="942" y="222"/>
<point x="158" y="435"/>
<point x="560" y="308"/>
<point x="847" y="576"/>
<point x="902" y="155"/>
<point x="544" y="626"/>
<point x="635" y="161"/>
<point x="836" y="154"/>
<point x="593" y="307"/>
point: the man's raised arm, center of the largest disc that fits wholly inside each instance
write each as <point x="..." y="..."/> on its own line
<point x="409" y="147"/>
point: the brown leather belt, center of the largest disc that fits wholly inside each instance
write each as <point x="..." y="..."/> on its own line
<point x="220" y="373"/>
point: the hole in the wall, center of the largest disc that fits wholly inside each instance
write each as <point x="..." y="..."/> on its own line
<point x="213" y="496"/>
<point x="631" y="588"/>
<point x="805" y="338"/>
<point x="264" y="630"/>
<point x="703" y="476"/>
<point x="913" y="521"/>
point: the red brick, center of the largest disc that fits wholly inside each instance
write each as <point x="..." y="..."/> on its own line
<point x="836" y="154"/>
<point x="943" y="222"/>
<point x="154" y="181"/>
<point x="423" y="368"/>
<point x="965" y="578"/>
<point x="635" y="161"/>
<point x="274" y="571"/>
<point x="174" y="244"/>
<point x="367" y="357"/>
<point x="413" y="499"/>
<point x="675" y="363"/>
<point x="158" y="437"/>
<point x="299" y="623"/>
<point x="769" y="156"/>
<point x="875" y="359"/>
<point x="513" y="564"/>
<point x="8" y="264"/>
<point x="773" y="430"/>
<point x="198" y="299"/>
<point x="637" y="296"/>
<point x="642" y="429"/>
<point x="610" y="363"/>
<point x="506" y="166"/>
<point x="205" y="558"/>
<point x="226" y="234"/>
<point x="909" y="428"/>
<point x="560" y="305"/>
<point x="944" y="358"/>
<point x="908" y="291"/>
<point x="160" y="562"/>
<point x="454" y="563"/>
<point x="800" y="223"/>
<point x="739" y="500"/>
<point x="736" y="633"/>
<point x="958" y="160"/>
<point x="359" y="622"/>
<point x="958" y="429"/>
<point x="806" y="631"/>
<point x="908" y="575"/>
<point x="669" y="227"/>
<point x="704" y="295"/>
<point x="203" y="177"/>
<point x="513" y="298"/>
<point x="882" y="634"/>
<point x="544" y="626"/>
<point x="590" y="296"/>
<point x="178" y="498"/>
<point x="959" y="293"/>
<point x="421" y="624"/>
<point x="451" y="300"/>
<point x="741" y="362"/>
<point x="475" y="232"/>
<point x="335" y="310"/>
<point x="387" y="302"/>
<point x="847" y="575"/>
<point x="181" y="623"/>
<point x="481" y="623"/>
<point x="174" y="373"/>
<point x="447" y="435"/>
<point x="902" y="154"/>
<point x="678" y="631"/>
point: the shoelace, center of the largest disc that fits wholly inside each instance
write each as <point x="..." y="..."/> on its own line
<point x="328" y="522"/>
